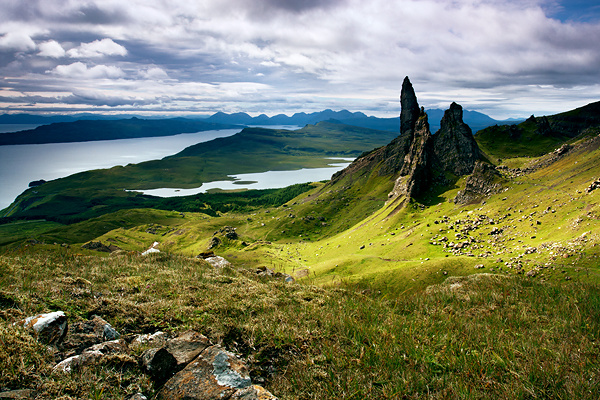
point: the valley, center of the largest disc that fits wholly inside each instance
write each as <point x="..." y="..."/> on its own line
<point x="436" y="265"/>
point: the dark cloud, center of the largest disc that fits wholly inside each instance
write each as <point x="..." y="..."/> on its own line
<point x="94" y="14"/>
<point x="301" y="5"/>
<point x="297" y="55"/>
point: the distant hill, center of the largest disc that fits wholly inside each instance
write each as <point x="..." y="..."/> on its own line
<point x="474" y="119"/>
<point x="89" y="127"/>
<point x="91" y="130"/>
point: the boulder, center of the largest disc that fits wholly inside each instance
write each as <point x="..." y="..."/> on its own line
<point x="91" y="355"/>
<point x="227" y="231"/>
<point x="49" y="328"/>
<point x="156" y="339"/>
<point x="218" y="262"/>
<point x="214" y="374"/>
<point x="158" y="363"/>
<point x="186" y="347"/>
<point x="253" y="392"/>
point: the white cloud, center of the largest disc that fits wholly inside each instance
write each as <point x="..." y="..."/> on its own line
<point x="51" y="49"/>
<point x="154" y="73"/>
<point x="17" y="41"/>
<point x="81" y="70"/>
<point x="98" y="48"/>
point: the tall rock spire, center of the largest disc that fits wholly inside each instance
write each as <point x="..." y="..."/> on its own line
<point x="409" y="111"/>
<point x="399" y="147"/>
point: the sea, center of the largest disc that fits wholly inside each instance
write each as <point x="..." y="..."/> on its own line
<point x="22" y="164"/>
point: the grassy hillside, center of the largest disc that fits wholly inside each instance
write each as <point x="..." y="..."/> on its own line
<point x="484" y="336"/>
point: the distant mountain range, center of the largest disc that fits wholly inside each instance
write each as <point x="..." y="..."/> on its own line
<point x="474" y="119"/>
<point x="89" y="127"/>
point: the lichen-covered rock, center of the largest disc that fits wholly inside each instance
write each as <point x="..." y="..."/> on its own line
<point x="214" y="374"/>
<point x="156" y="339"/>
<point x="49" y="328"/>
<point x="91" y="355"/>
<point x="186" y="347"/>
<point x="253" y="392"/>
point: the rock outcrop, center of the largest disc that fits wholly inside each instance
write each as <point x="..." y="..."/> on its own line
<point x="483" y="182"/>
<point x="454" y="144"/>
<point x="395" y="152"/>
<point x="188" y="366"/>
<point x="421" y="159"/>
<point x="49" y="328"/>
<point x="416" y="159"/>
<point x="415" y="174"/>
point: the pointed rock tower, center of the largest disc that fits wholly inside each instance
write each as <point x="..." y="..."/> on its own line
<point x="409" y="115"/>
<point x="454" y="144"/>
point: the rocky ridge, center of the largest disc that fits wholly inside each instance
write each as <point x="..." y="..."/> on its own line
<point x="421" y="159"/>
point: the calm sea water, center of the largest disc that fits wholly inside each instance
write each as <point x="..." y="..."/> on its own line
<point x="21" y="164"/>
<point x="261" y="180"/>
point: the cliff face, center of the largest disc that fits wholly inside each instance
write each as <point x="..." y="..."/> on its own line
<point x="395" y="152"/>
<point x="415" y="174"/>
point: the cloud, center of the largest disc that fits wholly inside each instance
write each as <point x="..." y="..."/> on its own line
<point x="17" y="41"/>
<point x="154" y="73"/>
<point x="97" y="48"/>
<point x="81" y="70"/>
<point x="311" y="53"/>
<point x="51" y="49"/>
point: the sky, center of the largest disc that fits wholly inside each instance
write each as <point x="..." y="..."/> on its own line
<point x="510" y="58"/>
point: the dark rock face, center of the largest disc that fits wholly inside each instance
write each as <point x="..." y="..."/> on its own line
<point x="416" y="174"/>
<point x="454" y="144"/>
<point x="420" y="158"/>
<point x="410" y="111"/>
<point x="483" y="182"/>
<point x="395" y="152"/>
<point x="416" y="157"/>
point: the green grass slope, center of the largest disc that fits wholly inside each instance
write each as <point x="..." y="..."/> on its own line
<point x="484" y="336"/>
